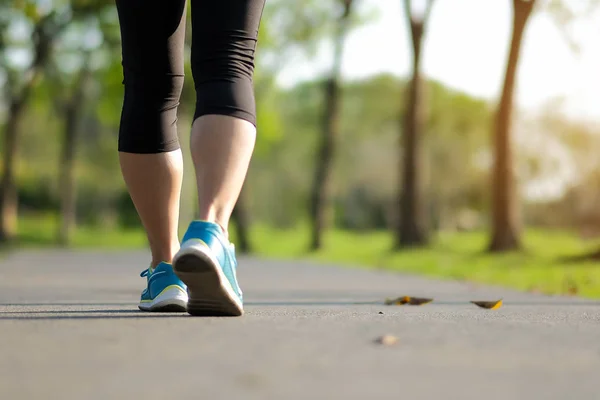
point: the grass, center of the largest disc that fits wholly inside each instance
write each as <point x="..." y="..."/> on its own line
<point x="456" y="256"/>
<point x="40" y="231"/>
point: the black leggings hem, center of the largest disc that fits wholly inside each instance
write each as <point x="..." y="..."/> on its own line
<point x="240" y="114"/>
<point x="142" y="149"/>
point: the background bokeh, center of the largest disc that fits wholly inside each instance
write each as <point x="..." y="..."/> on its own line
<point x="455" y="138"/>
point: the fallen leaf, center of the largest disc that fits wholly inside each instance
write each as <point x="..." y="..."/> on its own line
<point x="400" y="301"/>
<point x="387" y="340"/>
<point x="490" y="305"/>
<point x="413" y="301"/>
<point x="418" y="301"/>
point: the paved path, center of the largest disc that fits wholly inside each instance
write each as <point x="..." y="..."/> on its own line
<point x="70" y="329"/>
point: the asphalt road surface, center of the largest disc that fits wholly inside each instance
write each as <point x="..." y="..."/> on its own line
<point x="70" y="329"/>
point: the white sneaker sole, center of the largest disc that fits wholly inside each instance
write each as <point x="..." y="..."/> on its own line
<point x="172" y="299"/>
<point x="210" y="293"/>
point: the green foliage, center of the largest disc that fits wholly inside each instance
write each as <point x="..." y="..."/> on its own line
<point x="86" y="8"/>
<point x="30" y="10"/>
<point x="280" y="178"/>
<point x="37" y="193"/>
<point x="38" y="230"/>
<point x="365" y="176"/>
<point x="457" y="133"/>
<point x="366" y="165"/>
<point x="371" y="105"/>
<point x="289" y="27"/>
<point x="108" y="108"/>
<point x="287" y="30"/>
<point x="270" y="126"/>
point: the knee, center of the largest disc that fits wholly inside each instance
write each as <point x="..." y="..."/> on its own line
<point x="159" y="90"/>
<point x="223" y="71"/>
<point x="222" y="55"/>
<point x="149" y="115"/>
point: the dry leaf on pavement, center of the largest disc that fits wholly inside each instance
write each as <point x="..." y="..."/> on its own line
<point x="418" y="301"/>
<point x="400" y="301"/>
<point x="413" y="301"/>
<point x="490" y="305"/>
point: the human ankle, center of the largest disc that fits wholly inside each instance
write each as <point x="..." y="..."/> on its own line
<point x="212" y="218"/>
<point x="166" y="257"/>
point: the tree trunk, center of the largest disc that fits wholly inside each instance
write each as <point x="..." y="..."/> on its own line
<point x="42" y="39"/>
<point x="67" y="161"/>
<point x="411" y="230"/>
<point x="505" y="221"/>
<point x="9" y="199"/>
<point x="319" y="198"/>
<point x="321" y="186"/>
<point x="240" y="218"/>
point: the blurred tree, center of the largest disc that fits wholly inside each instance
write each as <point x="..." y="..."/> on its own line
<point x="286" y="28"/>
<point x="89" y="31"/>
<point x="411" y="230"/>
<point x="320" y="192"/>
<point x="72" y="110"/>
<point x="46" y="21"/>
<point x="505" y="226"/>
<point x="20" y="82"/>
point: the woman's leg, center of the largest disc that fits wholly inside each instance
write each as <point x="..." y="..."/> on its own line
<point x="152" y="33"/>
<point x="224" y="37"/>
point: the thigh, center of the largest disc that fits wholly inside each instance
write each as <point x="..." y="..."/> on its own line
<point x="152" y="37"/>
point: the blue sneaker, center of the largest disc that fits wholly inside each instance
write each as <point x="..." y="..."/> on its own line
<point x="165" y="292"/>
<point x="206" y="263"/>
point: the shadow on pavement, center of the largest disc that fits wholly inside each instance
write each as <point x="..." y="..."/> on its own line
<point x="65" y="305"/>
<point x="103" y="311"/>
<point x="41" y="314"/>
<point x="76" y="317"/>
<point x="435" y="302"/>
<point x="265" y="303"/>
<point x="49" y="311"/>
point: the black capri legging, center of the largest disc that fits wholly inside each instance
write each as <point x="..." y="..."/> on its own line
<point x="224" y="36"/>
